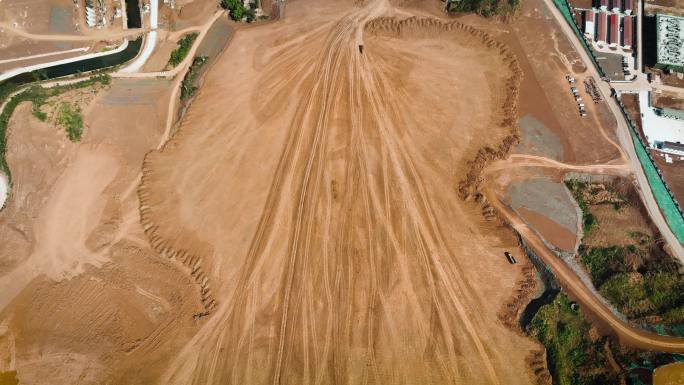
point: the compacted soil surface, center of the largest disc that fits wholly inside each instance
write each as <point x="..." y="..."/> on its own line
<point x="317" y="210"/>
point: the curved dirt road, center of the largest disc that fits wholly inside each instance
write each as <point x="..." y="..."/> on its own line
<point x="571" y="282"/>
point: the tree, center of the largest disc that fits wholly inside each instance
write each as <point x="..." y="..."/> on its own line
<point x="236" y="8"/>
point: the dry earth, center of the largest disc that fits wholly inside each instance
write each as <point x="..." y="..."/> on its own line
<point x="308" y="208"/>
<point x="317" y="211"/>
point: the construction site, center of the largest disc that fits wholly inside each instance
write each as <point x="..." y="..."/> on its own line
<point x="308" y="198"/>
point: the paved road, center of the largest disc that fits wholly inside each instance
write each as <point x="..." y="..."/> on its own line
<point x="624" y="138"/>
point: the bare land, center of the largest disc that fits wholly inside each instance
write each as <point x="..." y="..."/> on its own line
<point x="304" y="223"/>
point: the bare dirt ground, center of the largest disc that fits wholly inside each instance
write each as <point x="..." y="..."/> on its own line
<point x="317" y="208"/>
<point x="85" y="299"/>
<point x="304" y="223"/>
<point x="667" y="100"/>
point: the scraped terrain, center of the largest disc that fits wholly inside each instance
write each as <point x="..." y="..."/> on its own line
<point x="317" y="207"/>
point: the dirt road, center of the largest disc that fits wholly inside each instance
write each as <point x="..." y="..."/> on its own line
<point x="571" y="282"/>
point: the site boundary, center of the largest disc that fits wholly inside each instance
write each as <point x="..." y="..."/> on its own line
<point x="663" y="195"/>
<point x="564" y="9"/>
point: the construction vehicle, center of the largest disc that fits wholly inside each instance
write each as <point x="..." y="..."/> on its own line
<point x="510" y="258"/>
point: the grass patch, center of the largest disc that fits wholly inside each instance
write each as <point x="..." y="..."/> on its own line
<point x="485" y="8"/>
<point x="184" y="45"/>
<point x="589" y="221"/>
<point x="572" y="358"/>
<point x="37" y="95"/>
<point x="188" y="86"/>
<point x="70" y="117"/>
<point x="603" y="262"/>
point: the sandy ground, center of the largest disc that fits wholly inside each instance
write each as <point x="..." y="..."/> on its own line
<point x="85" y="299"/>
<point x="317" y="206"/>
<point x="304" y="223"/>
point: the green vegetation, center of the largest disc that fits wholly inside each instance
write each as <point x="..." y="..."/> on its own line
<point x="236" y="8"/>
<point x="603" y="262"/>
<point x="670" y="67"/>
<point x="184" y="45"/>
<point x="589" y="221"/>
<point x="9" y="378"/>
<point x="638" y="278"/>
<point x="70" y="118"/>
<point x="485" y="8"/>
<point x="38" y="96"/>
<point x="188" y="86"/>
<point x="573" y="359"/>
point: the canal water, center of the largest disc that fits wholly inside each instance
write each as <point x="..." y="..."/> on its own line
<point x="133" y="14"/>
<point x="86" y="65"/>
<point x="551" y="289"/>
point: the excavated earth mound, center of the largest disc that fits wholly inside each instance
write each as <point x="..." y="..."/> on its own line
<point x="317" y="207"/>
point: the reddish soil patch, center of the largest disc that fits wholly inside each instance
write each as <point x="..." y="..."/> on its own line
<point x="667" y="100"/>
<point x="556" y="234"/>
<point x="631" y="103"/>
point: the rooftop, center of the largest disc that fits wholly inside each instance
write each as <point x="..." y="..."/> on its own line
<point x="670" y="39"/>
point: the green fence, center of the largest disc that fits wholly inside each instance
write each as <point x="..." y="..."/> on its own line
<point x="666" y="202"/>
<point x="564" y="9"/>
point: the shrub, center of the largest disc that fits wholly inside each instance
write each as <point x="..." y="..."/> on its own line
<point x="603" y="262"/>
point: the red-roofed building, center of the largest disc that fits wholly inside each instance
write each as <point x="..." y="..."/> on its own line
<point x="628" y="6"/>
<point x="614" y="29"/>
<point x="617" y="5"/>
<point x="604" y="5"/>
<point x="627" y="31"/>
<point x="602" y="36"/>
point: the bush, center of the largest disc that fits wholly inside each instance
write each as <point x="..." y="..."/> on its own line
<point x="628" y="293"/>
<point x="188" y="87"/>
<point x="184" y="45"/>
<point x="603" y="262"/>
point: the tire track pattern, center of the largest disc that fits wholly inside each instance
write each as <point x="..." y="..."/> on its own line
<point x="348" y="278"/>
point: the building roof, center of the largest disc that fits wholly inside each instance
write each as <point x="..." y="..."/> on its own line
<point x="589" y="16"/>
<point x="617" y="4"/>
<point x="602" y="27"/>
<point x="670" y="31"/>
<point x="628" y="5"/>
<point x="614" y="29"/>
<point x="627" y="31"/>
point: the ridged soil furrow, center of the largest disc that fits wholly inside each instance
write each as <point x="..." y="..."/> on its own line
<point x="191" y="262"/>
